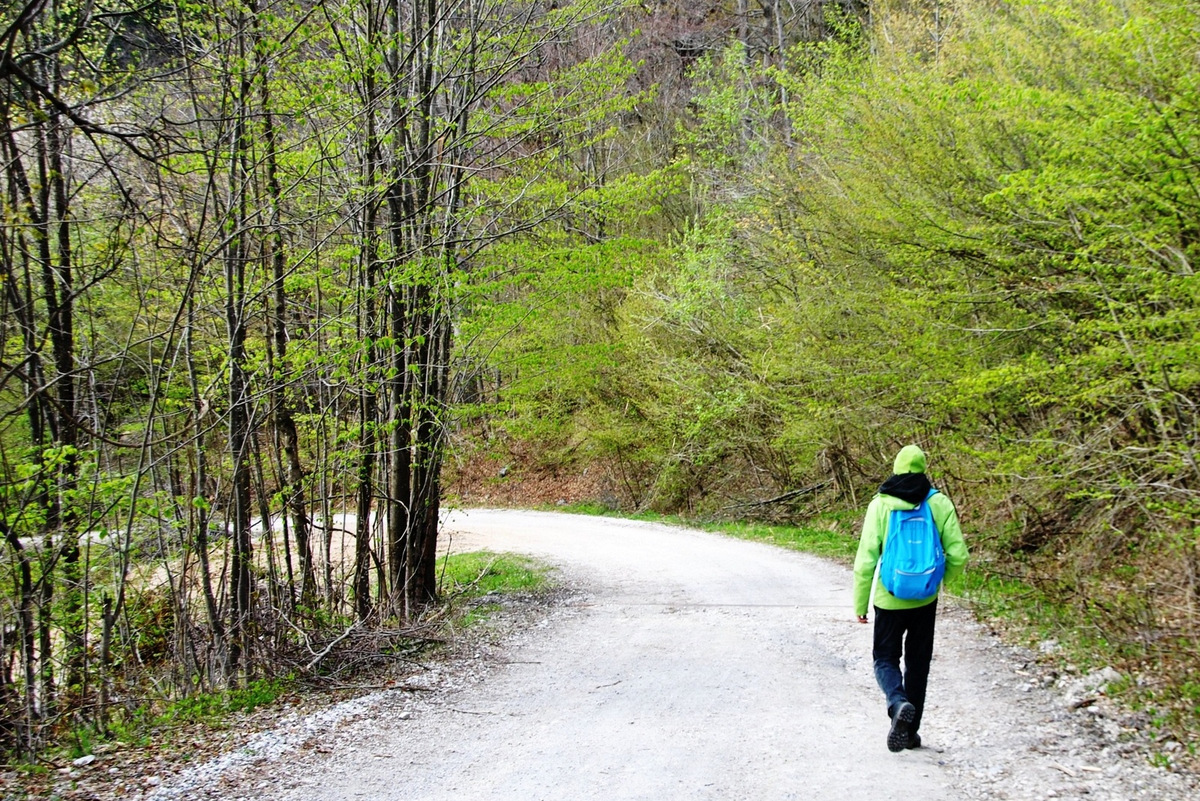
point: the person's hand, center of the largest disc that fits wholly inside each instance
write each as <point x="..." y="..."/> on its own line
<point x="862" y="618"/>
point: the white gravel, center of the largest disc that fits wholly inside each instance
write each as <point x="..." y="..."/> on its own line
<point x="701" y="667"/>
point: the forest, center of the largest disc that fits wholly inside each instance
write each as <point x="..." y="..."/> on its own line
<point x="277" y="274"/>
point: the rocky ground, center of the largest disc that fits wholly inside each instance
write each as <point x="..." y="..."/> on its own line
<point x="1051" y="735"/>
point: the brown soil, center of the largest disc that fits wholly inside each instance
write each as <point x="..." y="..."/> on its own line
<point x="514" y="477"/>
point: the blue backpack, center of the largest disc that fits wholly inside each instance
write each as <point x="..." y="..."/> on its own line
<point x="913" y="559"/>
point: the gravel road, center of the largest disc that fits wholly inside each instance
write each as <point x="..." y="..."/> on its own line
<point x="694" y="666"/>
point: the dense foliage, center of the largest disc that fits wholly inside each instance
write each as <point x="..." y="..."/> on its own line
<point x="966" y="224"/>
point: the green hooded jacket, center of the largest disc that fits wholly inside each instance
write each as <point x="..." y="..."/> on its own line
<point x="874" y="533"/>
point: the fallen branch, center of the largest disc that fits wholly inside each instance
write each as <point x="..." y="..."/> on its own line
<point x="787" y="496"/>
<point x="316" y="659"/>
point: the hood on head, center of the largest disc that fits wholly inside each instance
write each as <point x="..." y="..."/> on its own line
<point x="910" y="459"/>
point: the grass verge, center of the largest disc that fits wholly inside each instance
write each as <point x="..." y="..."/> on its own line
<point x="1075" y="638"/>
<point x="830" y="534"/>
<point x="475" y="585"/>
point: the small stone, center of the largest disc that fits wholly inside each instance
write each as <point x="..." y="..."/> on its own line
<point x="84" y="761"/>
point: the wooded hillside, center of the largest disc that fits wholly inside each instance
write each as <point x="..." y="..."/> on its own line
<point x="970" y="225"/>
<point x="274" y="271"/>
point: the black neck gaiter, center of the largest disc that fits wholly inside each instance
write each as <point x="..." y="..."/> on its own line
<point x="909" y="487"/>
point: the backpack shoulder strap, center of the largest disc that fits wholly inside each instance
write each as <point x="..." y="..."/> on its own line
<point x="932" y="519"/>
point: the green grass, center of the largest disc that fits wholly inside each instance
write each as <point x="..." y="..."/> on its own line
<point x="830" y="535"/>
<point x="213" y="707"/>
<point x="601" y="510"/>
<point x="153" y="722"/>
<point x="829" y="540"/>
<point x="1086" y="639"/>
<point x="482" y="573"/>
<point x="469" y="583"/>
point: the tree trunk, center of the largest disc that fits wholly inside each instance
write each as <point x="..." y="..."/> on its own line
<point x="369" y="331"/>
<point x="240" y="410"/>
<point x="285" y="422"/>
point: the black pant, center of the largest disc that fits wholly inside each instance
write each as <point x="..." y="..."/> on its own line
<point x="891" y="626"/>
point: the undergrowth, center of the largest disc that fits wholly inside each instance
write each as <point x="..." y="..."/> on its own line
<point x="473" y="587"/>
<point x="215" y="706"/>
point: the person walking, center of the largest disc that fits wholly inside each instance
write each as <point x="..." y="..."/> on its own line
<point x="903" y="627"/>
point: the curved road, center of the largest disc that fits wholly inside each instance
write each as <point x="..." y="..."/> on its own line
<point x="695" y="666"/>
<point x="701" y="667"/>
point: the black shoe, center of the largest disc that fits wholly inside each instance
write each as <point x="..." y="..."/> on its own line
<point x="914" y="741"/>
<point x="902" y="718"/>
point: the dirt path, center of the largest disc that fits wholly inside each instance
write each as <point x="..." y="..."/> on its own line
<point x="691" y="666"/>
